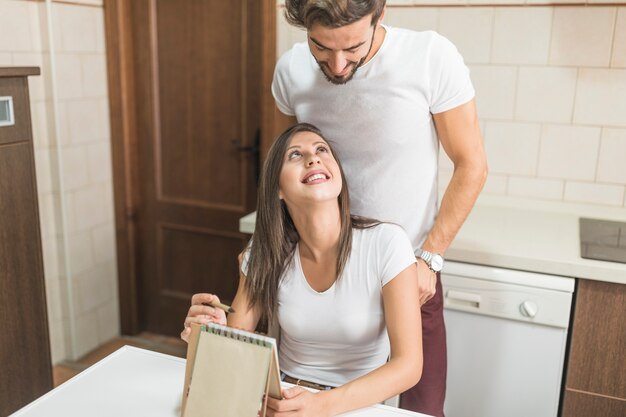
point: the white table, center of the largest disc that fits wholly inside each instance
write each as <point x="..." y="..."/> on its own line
<point x="136" y="382"/>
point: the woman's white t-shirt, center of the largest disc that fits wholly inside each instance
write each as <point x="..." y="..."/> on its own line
<point x="338" y="335"/>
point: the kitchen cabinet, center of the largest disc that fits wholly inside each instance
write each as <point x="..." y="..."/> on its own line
<point x="25" y="361"/>
<point x="596" y="374"/>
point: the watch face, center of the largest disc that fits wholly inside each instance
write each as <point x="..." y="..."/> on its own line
<point x="436" y="263"/>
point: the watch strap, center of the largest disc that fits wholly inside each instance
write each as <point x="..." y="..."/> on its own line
<point x="426" y="256"/>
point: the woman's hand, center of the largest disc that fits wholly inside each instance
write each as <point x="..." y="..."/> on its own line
<point x="299" y="402"/>
<point x="202" y="314"/>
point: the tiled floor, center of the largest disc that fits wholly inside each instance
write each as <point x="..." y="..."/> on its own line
<point x="169" y="345"/>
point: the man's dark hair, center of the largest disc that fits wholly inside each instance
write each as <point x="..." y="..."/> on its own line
<point x="331" y="13"/>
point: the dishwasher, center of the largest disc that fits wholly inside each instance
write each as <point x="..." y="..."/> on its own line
<point x="506" y="335"/>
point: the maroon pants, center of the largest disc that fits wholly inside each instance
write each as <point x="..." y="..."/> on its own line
<point x="428" y="395"/>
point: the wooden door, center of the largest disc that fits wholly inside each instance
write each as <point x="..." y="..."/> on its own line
<point x="189" y="166"/>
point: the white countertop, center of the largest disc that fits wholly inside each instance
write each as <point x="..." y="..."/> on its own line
<point x="137" y="382"/>
<point x="529" y="235"/>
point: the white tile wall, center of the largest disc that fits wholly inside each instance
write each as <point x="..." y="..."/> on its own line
<point x="15" y="27"/>
<point x="419" y="18"/>
<point x="99" y="162"/>
<point x="496" y="184"/>
<point x="108" y="319"/>
<point x="443" y="180"/>
<point x="45" y="160"/>
<point x="495" y="87"/>
<point x="286" y="35"/>
<point x="612" y="160"/>
<point x="521" y="35"/>
<point x="43" y="135"/>
<point x="470" y="29"/>
<point x="75" y="28"/>
<point x="93" y="289"/>
<point x="48" y="213"/>
<point x="86" y="329"/>
<point x="569" y="152"/>
<point x="600" y="97"/>
<point x="89" y="207"/>
<point x="545" y="94"/>
<point x="80" y="253"/>
<point x="103" y="238"/>
<point x="5" y="59"/>
<point x="52" y="250"/>
<point x="55" y="307"/>
<point x="582" y="36"/>
<point x="58" y="340"/>
<point x="75" y="167"/>
<point x="512" y="148"/>
<point x="618" y="59"/>
<point x="84" y="121"/>
<point x="94" y="75"/>
<point x="69" y="76"/>
<point x="536" y="188"/>
<point x="594" y="193"/>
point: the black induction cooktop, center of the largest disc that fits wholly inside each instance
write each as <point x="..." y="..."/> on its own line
<point x="604" y="240"/>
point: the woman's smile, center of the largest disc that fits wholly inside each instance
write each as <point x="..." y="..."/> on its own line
<point x="315" y="177"/>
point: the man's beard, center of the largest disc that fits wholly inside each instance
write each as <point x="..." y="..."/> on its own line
<point x="340" y="80"/>
<point x="355" y="66"/>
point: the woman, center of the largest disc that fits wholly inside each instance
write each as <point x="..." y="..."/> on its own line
<point x="342" y="288"/>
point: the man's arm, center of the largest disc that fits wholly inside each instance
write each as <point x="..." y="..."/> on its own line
<point x="459" y="134"/>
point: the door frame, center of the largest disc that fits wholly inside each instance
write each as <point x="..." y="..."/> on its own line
<point x="124" y="141"/>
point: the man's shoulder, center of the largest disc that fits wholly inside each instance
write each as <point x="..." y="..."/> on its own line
<point x="298" y="53"/>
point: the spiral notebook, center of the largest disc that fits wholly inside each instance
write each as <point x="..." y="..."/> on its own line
<point x="229" y="372"/>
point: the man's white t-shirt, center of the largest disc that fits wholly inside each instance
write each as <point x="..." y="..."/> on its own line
<point x="380" y="123"/>
<point x="338" y="335"/>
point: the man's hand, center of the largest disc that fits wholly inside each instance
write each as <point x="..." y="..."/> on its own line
<point x="427" y="280"/>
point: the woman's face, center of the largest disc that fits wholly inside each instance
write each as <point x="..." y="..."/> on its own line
<point x="310" y="172"/>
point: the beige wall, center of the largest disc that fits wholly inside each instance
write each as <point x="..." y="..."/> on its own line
<point x="550" y="85"/>
<point x="73" y="164"/>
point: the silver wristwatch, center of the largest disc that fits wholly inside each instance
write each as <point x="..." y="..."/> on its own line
<point x="433" y="260"/>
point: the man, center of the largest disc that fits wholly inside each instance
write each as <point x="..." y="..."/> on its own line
<point x="386" y="98"/>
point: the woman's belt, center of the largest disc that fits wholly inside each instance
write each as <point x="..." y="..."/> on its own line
<point x="304" y="383"/>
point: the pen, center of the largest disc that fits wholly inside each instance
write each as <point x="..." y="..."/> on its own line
<point x="221" y="306"/>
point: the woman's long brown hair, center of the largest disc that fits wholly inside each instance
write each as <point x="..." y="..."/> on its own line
<point x="275" y="236"/>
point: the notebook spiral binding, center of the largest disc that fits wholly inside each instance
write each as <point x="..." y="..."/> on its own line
<point x="238" y="334"/>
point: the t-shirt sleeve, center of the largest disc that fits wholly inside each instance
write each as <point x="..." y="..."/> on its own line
<point x="396" y="252"/>
<point x="450" y="83"/>
<point x="280" y="84"/>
